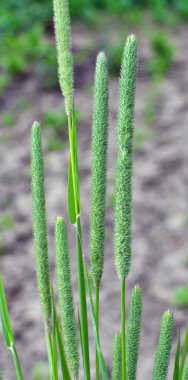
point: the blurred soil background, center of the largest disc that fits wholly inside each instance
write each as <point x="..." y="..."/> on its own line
<point x="29" y="91"/>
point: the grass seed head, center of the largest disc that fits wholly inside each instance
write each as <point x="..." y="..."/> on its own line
<point x="99" y="154"/>
<point x="123" y="180"/>
<point x="117" y="358"/>
<point x="64" y="51"/>
<point x="39" y="222"/>
<point x="66" y="296"/>
<point x="164" y="346"/>
<point x="133" y="332"/>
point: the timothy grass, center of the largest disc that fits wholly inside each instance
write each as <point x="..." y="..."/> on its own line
<point x="64" y="343"/>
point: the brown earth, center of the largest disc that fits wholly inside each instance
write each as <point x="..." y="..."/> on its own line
<point x="160" y="206"/>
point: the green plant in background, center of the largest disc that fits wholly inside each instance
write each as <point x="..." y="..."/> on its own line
<point x="163" y="54"/>
<point x="60" y="328"/>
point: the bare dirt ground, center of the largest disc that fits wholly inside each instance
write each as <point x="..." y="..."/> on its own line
<point x="160" y="208"/>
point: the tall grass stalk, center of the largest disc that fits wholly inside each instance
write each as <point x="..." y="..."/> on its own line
<point x="98" y="182"/>
<point x="65" y="67"/>
<point x="123" y="181"/>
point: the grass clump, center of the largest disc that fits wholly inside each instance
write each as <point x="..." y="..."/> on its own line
<point x="60" y="322"/>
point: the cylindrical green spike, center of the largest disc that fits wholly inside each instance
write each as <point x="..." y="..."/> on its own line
<point x="117" y="358"/>
<point x="66" y="296"/>
<point x="64" y="51"/>
<point x="123" y="180"/>
<point x="133" y="332"/>
<point x="99" y="153"/>
<point x="39" y="222"/>
<point x="185" y="371"/>
<point x="164" y="346"/>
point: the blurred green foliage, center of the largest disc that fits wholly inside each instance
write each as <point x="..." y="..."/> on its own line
<point x="163" y="54"/>
<point x="26" y="30"/>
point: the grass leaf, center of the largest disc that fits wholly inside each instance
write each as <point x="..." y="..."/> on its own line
<point x="177" y="358"/>
<point x="5" y="319"/>
<point x="71" y="204"/>
<point x="184" y="352"/>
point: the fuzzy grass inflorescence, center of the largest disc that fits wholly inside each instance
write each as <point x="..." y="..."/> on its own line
<point x="64" y="51"/>
<point x="39" y="223"/>
<point x="117" y="358"/>
<point x="133" y="332"/>
<point x="65" y="294"/>
<point x="164" y="346"/>
<point x="99" y="158"/>
<point x="123" y="180"/>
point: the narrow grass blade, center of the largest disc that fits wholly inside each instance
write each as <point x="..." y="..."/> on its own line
<point x="184" y="352"/>
<point x="52" y="355"/>
<point x="103" y="368"/>
<point x="177" y="360"/>
<point x="73" y="183"/>
<point x="7" y="330"/>
<point x="71" y="203"/>
<point x="5" y="319"/>
<point x="16" y="363"/>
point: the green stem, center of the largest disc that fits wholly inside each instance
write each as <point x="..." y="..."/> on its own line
<point x="123" y="341"/>
<point x="82" y="302"/>
<point x="97" y="297"/>
<point x="52" y="359"/>
<point x="79" y="253"/>
<point x="16" y="363"/>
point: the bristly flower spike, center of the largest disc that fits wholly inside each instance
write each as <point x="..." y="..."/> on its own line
<point x="117" y="358"/>
<point x="133" y="332"/>
<point x="164" y="346"/>
<point x="64" y="51"/>
<point x="99" y="154"/>
<point x="39" y="223"/>
<point x="123" y="180"/>
<point x="65" y="296"/>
